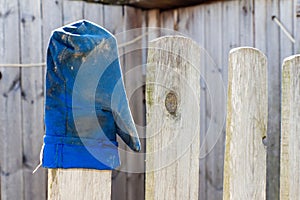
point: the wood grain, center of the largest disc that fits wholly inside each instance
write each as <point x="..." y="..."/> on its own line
<point x="12" y="181"/>
<point x="290" y="140"/>
<point x="215" y="103"/>
<point x="32" y="99"/>
<point x="79" y="184"/>
<point x="245" y="156"/>
<point x="172" y="159"/>
<point x="134" y="85"/>
<point x="266" y="39"/>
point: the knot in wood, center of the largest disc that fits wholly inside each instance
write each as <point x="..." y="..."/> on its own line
<point x="171" y="103"/>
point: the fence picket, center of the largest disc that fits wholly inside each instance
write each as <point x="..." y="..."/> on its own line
<point x="290" y="140"/>
<point x="247" y="108"/>
<point x="173" y="116"/>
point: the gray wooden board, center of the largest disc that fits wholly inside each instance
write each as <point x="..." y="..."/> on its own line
<point x="11" y="157"/>
<point x="32" y="98"/>
<point x="72" y="11"/>
<point x="266" y="39"/>
<point x="134" y="84"/>
<point x="191" y="23"/>
<point x="93" y="12"/>
<point x="297" y="26"/>
<point x="167" y="19"/>
<point x="215" y="102"/>
<point x="246" y="23"/>
<point x="230" y="39"/>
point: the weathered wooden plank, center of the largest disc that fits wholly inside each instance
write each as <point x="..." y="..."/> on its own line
<point x="134" y="84"/>
<point x="287" y="19"/>
<point x="52" y="19"/>
<point x="245" y="157"/>
<point x="172" y="93"/>
<point x="297" y="26"/>
<point x="153" y="24"/>
<point x="72" y="11"/>
<point x="94" y="13"/>
<point x="12" y="185"/>
<point x="290" y="141"/>
<point x="32" y="99"/>
<point x="266" y="39"/>
<point x="230" y="39"/>
<point x="230" y="34"/>
<point x="215" y="103"/>
<point x="113" y="24"/>
<point x="191" y="23"/>
<point x="167" y="20"/>
<point x="79" y="184"/>
<point x="246" y="23"/>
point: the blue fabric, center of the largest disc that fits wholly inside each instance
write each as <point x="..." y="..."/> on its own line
<point x="85" y="100"/>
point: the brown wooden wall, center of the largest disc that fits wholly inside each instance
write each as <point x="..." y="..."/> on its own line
<point x="25" y="27"/>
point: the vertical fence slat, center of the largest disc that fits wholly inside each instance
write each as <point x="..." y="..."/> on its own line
<point x="94" y="13"/>
<point x="32" y="98"/>
<point x="172" y="158"/>
<point x="246" y="22"/>
<point x="12" y="186"/>
<point x="134" y="82"/>
<point x="266" y="39"/>
<point x="215" y="103"/>
<point x="247" y="107"/>
<point x="290" y="128"/>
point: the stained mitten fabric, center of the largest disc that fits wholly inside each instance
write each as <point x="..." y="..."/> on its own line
<point x="85" y="100"/>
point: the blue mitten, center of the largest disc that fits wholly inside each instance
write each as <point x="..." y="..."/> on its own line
<point x="85" y="100"/>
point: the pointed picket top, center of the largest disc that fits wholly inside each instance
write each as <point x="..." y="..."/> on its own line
<point x="246" y="129"/>
<point x="290" y="140"/>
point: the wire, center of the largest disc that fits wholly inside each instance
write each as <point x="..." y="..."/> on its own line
<point x="23" y="65"/>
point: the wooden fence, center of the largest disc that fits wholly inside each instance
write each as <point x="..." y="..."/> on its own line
<point x="173" y="132"/>
<point x="217" y="27"/>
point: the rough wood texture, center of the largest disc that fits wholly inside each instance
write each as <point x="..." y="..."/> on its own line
<point x="266" y="39"/>
<point x="297" y="26"/>
<point x="12" y="185"/>
<point x="32" y="99"/>
<point x="290" y="128"/>
<point x="245" y="157"/>
<point x="215" y="103"/>
<point x="173" y="119"/>
<point x="72" y="11"/>
<point x="79" y="184"/>
<point x="191" y="22"/>
<point x="134" y="84"/>
<point x="246" y="22"/>
<point x="94" y="13"/>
